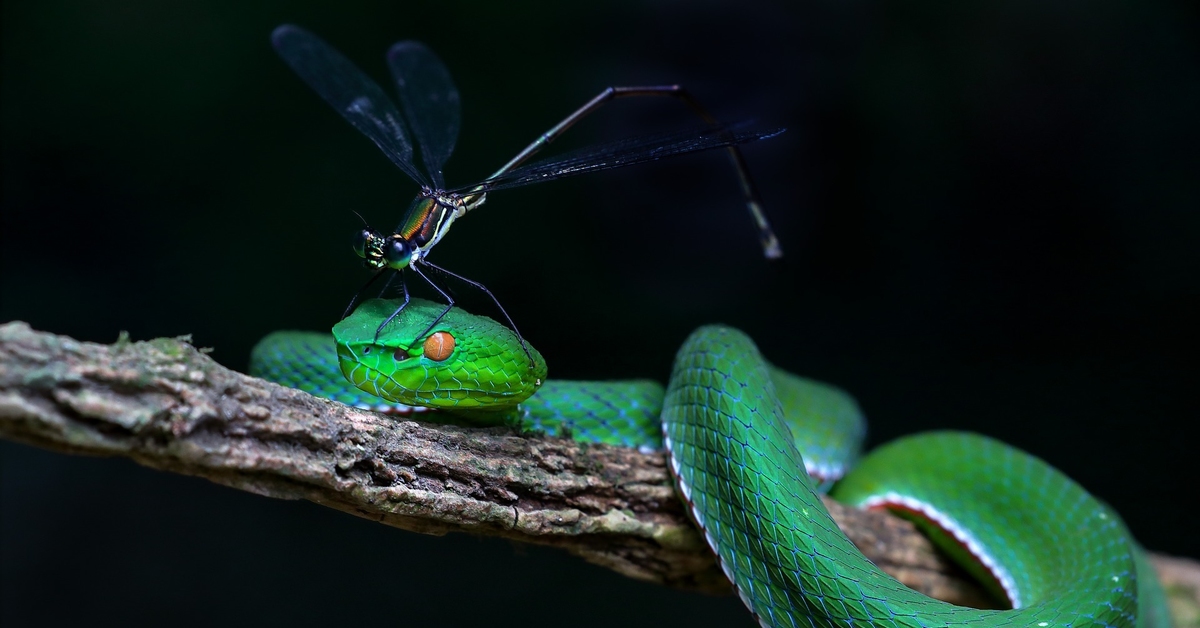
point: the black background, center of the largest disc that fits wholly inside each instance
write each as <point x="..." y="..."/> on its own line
<point x="989" y="212"/>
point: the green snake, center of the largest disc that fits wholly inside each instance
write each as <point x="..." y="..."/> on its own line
<point x="734" y="428"/>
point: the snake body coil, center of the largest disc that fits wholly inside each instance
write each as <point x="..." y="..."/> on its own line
<point x="1059" y="555"/>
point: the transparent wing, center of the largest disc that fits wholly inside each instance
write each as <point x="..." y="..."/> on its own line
<point x="352" y="93"/>
<point x="430" y="102"/>
<point x="619" y="154"/>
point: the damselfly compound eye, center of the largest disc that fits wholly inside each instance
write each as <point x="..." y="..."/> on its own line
<point x="360" y="241"/>
<point x="397" y="252"/>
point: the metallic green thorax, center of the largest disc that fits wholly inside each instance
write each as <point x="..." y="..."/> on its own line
<point x="481" y="374"/>
<point x="427" y="221"/>
<point x="421" y="220"/>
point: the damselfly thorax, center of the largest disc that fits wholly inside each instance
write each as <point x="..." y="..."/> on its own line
<point x="426" y="222"/>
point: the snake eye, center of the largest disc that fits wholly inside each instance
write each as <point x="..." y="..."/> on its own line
<point x="439" y="346"/>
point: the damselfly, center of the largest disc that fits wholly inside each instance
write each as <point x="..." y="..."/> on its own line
<point x="431" y="109"/>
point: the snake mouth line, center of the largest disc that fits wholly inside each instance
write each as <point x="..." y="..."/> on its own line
<point x="374" y="381"/>
<point x="379" y="382"/>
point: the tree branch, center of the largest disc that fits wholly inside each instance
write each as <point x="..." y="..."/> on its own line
<point x="168" y="406"/>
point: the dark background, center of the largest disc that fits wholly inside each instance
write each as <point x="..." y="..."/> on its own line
<point x="989" y="212"/>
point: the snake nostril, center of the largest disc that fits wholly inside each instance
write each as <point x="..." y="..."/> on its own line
<point x="400" y="355"/>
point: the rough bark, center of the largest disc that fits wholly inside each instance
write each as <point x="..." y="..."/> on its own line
<point x="168" y="406"/>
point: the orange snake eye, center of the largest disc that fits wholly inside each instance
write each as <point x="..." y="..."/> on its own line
<point x="439" y="346"/>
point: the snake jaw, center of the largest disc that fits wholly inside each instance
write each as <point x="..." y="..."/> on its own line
<point x="394" y="374"/>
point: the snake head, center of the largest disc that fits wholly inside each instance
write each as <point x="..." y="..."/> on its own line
<point x="464" y="363"/>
